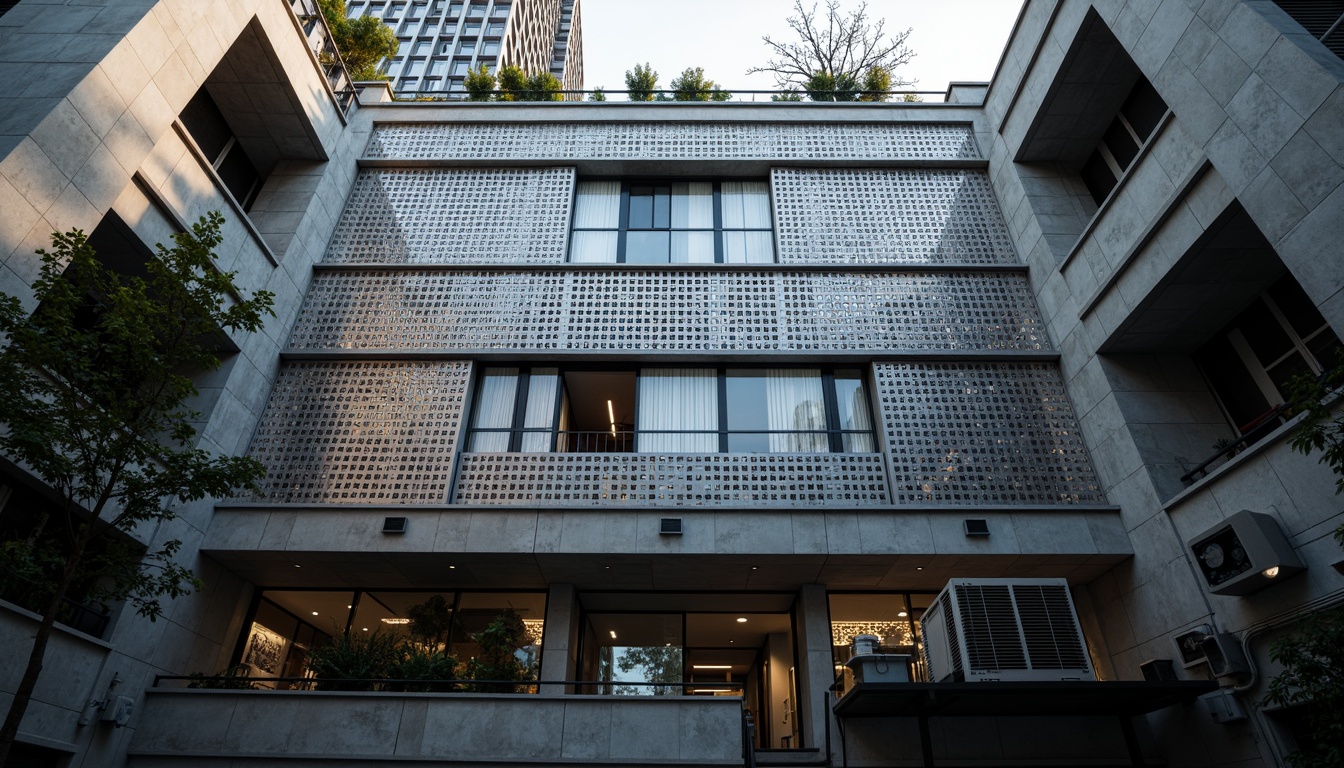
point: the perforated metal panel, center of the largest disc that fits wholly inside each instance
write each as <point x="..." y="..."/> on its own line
<point x="361" y="432"/>
<point x="894" y="216"/>
<point x="672" y="141"/>
<point x="983" y="433"/>
<point x="442" y="216"/>
<point x="669" y="311"/>
<point x="675" y="480"/>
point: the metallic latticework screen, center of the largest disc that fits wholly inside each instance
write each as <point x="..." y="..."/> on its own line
<point x="982" y="433"/>
<point x="893" y="216"/>
<point x="672" y="141"/>
<point x="679" y="480"/>
<point x="368" y="432"/>
<point x="669" y="311"/>
<point x="458" y="216"/>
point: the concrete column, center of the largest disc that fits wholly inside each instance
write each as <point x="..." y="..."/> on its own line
<point x="561" y="640"/>
<point x="816" y="669"/>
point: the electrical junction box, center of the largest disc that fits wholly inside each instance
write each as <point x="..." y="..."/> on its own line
<point x="1223" y="707"/>
<point x="880" y="667"/>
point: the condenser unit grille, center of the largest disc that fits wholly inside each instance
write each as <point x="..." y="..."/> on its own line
<point x="955" y="647"/>
<point x="990" y="626"/>
<point x="1048" y="627"/>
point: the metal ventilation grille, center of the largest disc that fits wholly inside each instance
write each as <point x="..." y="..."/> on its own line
<point x="953" y="645"/>
<point x="1049" y="627"/>
<point x="989" y="623"/>
<point x="1324" y="19"/>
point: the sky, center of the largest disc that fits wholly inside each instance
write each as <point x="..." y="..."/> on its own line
<point x="953" y="40"/>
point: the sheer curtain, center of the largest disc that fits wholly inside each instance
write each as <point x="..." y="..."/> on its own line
<point x="795" y="402"/>
<point x="747" y="236"/>
<point x="597" y="206"/>
<point x="540" y="412"/>
<point x="693" y="209"/>
<point x="854" y="415"/>
<point x="674" y="401"/>
<point x="494" y="409"/>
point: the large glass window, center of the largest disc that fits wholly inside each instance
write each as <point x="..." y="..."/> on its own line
<point x="893" y="618"/>
<point x="1132" y="127"/>
<point x="683" y="222"/>
<point x="672" y="410"/>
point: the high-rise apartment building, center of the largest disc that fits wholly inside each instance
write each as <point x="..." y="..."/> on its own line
<point x="442" y="40"/>
<point x="709" y="393"/>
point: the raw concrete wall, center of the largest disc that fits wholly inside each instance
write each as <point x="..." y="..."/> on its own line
<point x="199" y="727"/>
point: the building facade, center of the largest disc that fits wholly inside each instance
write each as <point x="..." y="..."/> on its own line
<point x="702" y="392"/>
<point x="442" y="40"/>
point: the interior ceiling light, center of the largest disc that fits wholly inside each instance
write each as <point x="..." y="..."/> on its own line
<point x="314" y="613"/>
<point x="711" y="666"/>
<point x="902" y="614"/>
<point x="613" y="634"/>
<point x="452" y="567"/>
<point x="396" y="621"/>
<point x="611" y="416"/>
<point x="741" y="619"/>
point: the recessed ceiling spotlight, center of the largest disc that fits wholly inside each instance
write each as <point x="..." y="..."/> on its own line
<point x="452" y="567"/>
<point x="754" y="568"/>
<point x="314" y="613"/>
<point x="902" y="614"/>
<point x="741" y="619"/>
<point x="919" y="567"/>
<point x="613" y="634"/>
<point x="366" y="629"/>
<point x="296" y="565"/>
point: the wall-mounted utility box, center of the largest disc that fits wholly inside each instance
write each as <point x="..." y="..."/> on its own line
<point x="1244" y="554"/>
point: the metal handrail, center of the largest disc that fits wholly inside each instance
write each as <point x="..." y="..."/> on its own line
<point x="1268" y="422"/>
<point x="624" y="440"/>
<point x="313" y="681"/>
<point x="666" y="95"/>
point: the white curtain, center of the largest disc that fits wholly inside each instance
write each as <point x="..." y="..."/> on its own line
<point x="746" y="205"/>
<point x="494" y="409"/>
<point x="748" y="247"/>
<point x="693" y="205"/>
<point x="563" y="439"/>
<point x="795" y="403"/>
<point x="597" y="206"/>
<point x="855" y="415"/>
<point x="693" y="247"/>
<point x="674" y="401"/>
<point x="540" y="411"/>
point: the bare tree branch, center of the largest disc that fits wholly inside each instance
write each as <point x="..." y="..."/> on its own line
<point x="844" y="46"/>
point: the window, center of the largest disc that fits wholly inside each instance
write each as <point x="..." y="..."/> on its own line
<point x="891" y="617"/>
<point x="212" y="134"/>
<point x="1250" y="362"/>
<point x="686" y="222"/>
<point x="461" y="66"/>
<point x="1128" y="132"/>
<point x="673" y="410"/>
<point x="490" y="48"/>
<point x="494" y="29"/>
<point x="421" y="48"/>
<point x="471" y="29"/>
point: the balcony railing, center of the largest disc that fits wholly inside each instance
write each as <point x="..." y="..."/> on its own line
<point x="666" y="440"/>
<point x="320" y="41"/>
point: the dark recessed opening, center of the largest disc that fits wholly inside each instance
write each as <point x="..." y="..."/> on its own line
<point x="975" y="527"/>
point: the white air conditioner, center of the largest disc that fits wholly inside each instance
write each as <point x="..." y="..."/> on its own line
<point x="1004" y="629"/>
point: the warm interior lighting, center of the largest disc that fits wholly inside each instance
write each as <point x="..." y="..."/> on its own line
<point x="611" y="416"/>
<point x="902" y="614"/>
<point x="314" y="613"/>
<point x="1271" y="572"/>
<point x="741" y="619"/>
<point x="711" y="666"/>
<point x="613" y="634"/>
<point x="396" y="621"/>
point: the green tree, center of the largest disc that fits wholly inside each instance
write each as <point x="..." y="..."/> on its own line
<point x="876" y="84"/>
<point x="93" y="401"/>
<point x="823" y="86"/>
<point x="1313" y="677"/>
<point x="543" y="86"/>
<point x="512" y="83"/>
<point x="480" y="84"/>
<point x="657" y="664"/>
<point x="363" y="41"/>
<point x="641" y="83"/>
<point x="787" y="95"/>
<point x="843" y="45"/>
<point x="691" y="85"/>
<point x="498" y="660"/>
<point x="597" y="94"/>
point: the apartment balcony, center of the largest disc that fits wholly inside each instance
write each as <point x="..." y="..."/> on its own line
<point x="243" y="727"/>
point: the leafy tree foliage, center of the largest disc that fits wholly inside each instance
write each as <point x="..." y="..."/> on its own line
<point x="876" y="83"/>
<point x="843" y="46"/>
<point x="641" y="83"/>
<point x="1313" y="676"/>
<point x="93" y="392"/>
<point x="363" y="42"/>
<point x="517" y="85"/>
<point x="691" y="85"/>
<point x="823" y="86"/>
<point x="658" y="664"/>
<point x="597" y="95"/>
<point x="498" y="660"/>
<point x="480" y="84"/>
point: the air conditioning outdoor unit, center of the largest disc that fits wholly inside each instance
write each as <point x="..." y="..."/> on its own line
<point x="1004" y="629"/>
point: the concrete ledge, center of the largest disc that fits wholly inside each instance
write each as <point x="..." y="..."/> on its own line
<point x="189" y="726"/>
